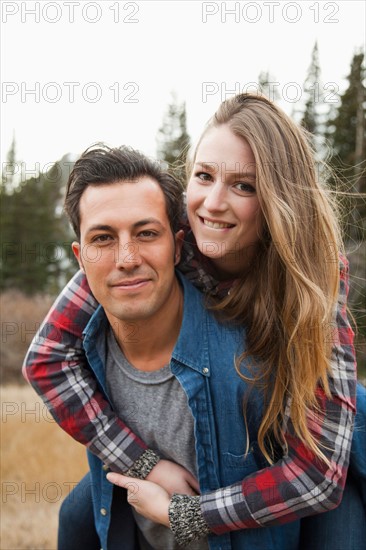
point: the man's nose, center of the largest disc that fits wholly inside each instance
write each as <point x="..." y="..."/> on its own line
<point x="128" y="256"/>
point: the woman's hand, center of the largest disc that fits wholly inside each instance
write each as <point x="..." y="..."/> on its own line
<point x="149" y="499"/>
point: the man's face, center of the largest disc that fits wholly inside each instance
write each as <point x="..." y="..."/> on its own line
<point x="127" y="249"/>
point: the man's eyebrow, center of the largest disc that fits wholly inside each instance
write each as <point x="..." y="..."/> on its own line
<point x="213" y="167"/>
<point x="136" y="225"/>
<point x="99" y="227"/>
<point x="147" y="221"/>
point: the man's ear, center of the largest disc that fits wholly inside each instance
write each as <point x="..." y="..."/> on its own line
<point x="179" y="238"/>
<point x="77" y="253"/>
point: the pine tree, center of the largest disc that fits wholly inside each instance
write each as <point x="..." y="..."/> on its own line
<point x="347" y="139"/>
<point x="346" y="135"/>
<point x="314" y="115"/>
<point x="34" y="236"/>
<point x="173" y="140"/>
<point x="268" y="85"/>
<point x="310" y="119"/>
<point x="9" y="168"/>
<point x="346" y="131"/>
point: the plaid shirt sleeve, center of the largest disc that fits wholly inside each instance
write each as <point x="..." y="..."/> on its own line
<point x="57" y="369"/>
<point x="293" y="487"/>
<point x="299" y="484"/>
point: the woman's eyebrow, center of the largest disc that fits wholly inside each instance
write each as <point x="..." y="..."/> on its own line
<point x="207" y="166"/>
<point x="241" y="171"/>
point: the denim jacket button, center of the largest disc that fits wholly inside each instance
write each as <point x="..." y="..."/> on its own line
<point x="103" y="511"/>
<point x="205" y="370"/>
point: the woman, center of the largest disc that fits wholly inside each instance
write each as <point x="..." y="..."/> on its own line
<point x="265" y="230"/>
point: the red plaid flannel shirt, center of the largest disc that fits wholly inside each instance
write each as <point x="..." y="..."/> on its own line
<point x="296" y="485"/>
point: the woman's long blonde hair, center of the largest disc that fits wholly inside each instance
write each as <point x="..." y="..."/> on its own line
<point x="288" y="297"/>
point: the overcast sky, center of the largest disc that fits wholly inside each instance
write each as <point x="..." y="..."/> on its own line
<point x="74" y="73"/>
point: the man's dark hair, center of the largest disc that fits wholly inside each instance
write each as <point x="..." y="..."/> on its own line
<point x="101" y="165"/>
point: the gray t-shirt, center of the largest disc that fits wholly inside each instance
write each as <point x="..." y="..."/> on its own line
<point x="154" y="406"/>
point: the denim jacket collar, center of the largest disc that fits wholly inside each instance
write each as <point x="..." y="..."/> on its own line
<point x="194" y="322"/>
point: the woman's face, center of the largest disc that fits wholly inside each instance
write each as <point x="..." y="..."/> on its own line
<point x="223" y="207"/>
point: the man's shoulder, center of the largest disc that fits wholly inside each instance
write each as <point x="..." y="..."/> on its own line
<point x="97" y="322"/>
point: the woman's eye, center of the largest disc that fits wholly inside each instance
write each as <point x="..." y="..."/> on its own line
<point x="203" y="176"/>
<point x="245" y="187"/>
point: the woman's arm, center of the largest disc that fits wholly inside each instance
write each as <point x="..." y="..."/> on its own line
<point x="297" y="485"/>
<point x="294" y="487"/>
<point x="57" y="369"/>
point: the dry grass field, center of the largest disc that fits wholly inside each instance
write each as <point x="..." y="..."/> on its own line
<point x="39" y="462"/>
<point x="21" y="316"/>
<point x="39" y="466"/>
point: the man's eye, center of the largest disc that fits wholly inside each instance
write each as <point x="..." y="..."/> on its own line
<point x="147" y="233"/>
<point x="245" y="187"/>
<point x="101" y="238"/>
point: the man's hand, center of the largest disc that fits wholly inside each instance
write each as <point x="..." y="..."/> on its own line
<point x="149" y="499"/>
<point x="174" y="478"/>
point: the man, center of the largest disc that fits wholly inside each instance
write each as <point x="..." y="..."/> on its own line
<point x="162" y="360"/>
<point x="128" y="249"/>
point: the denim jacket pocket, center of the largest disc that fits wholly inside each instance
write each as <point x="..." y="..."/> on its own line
<point x="237" y="467"/>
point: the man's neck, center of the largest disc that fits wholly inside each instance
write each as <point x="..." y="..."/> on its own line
<point x="148" y="343"/>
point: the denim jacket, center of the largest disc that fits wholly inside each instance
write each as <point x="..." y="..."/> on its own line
<point x="203" y="362"/>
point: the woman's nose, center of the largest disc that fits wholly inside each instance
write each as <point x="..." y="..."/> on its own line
<point x="216" y="198"/>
